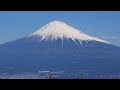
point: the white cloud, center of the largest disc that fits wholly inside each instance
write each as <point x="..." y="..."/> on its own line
<point x="110" y="37"/>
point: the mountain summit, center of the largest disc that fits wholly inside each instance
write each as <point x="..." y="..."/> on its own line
<point x="58" y="29"/>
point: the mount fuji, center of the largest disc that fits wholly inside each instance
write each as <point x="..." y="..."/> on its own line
<point x="58" y="46"/>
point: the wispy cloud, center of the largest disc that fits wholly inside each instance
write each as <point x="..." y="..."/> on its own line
<point x="110" y="37"/>
<point x="115" y="40"/>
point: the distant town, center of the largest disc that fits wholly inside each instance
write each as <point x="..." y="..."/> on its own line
<point x="83" y="74"/>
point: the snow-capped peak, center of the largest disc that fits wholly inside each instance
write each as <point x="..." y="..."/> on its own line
<point x="58" y="29"/>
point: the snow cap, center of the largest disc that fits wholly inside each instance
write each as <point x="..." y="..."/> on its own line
<point x="58" y="29"/>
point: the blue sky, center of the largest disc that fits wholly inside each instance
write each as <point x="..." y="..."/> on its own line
<point x="102" y="24"/>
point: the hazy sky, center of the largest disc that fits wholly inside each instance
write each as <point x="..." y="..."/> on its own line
<point x="102" y="24"/>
